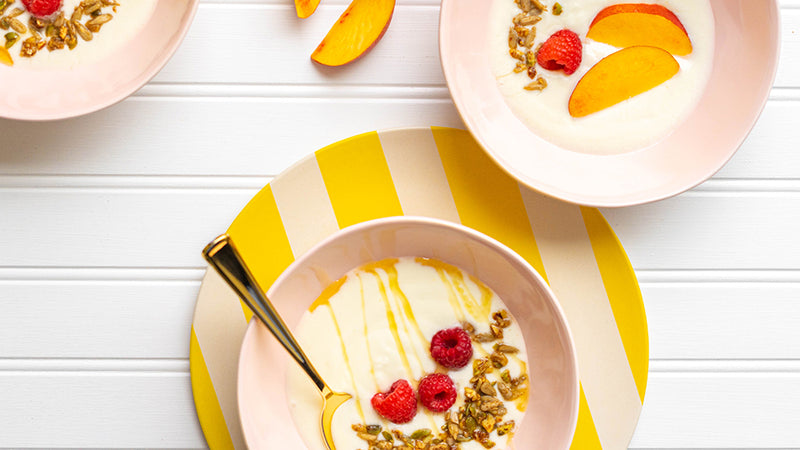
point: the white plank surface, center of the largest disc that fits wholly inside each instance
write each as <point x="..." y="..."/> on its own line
<point x="101" y="234"/>
<point x="149" y="409"/>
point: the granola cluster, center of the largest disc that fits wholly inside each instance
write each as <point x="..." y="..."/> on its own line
<point x="521" y="36"/>
<point x="484" y="405"/>
<point x="57" y="32"/>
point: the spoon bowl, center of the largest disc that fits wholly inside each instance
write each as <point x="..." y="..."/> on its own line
<point x="221" y="253"/>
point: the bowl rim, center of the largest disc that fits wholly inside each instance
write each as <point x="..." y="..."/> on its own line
<point x="584" y="199"/>
<point x="484" y="239"/>
<point x="135" y="84"/>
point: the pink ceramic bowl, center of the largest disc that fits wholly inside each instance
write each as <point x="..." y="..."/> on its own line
<point x="29" y="94"/>
<point x="746" y="56"/>
<point x="552" y="411"/>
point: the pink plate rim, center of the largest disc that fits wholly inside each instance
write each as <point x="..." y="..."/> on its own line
<point x="122" y="91"/>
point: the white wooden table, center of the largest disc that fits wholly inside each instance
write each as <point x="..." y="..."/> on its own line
<point x="102" y="219"/>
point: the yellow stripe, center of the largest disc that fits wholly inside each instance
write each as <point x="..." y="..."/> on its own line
<point x="623" y="294"/>
<point x="487" y="199"/>
<point x="259" y="235"/>
<point x="358" y="180"/>
<point x="205" y="399"/>
<point x="585" y="434"/>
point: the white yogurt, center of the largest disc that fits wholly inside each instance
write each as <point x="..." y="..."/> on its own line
<point x="130" y="18"/>
<point x="348" y="337"/>
<point x="633" y="124"/>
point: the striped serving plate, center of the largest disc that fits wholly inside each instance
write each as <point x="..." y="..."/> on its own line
<point x="441" y="173"/>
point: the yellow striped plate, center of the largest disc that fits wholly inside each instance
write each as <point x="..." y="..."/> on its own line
<point x="435" y="172"/>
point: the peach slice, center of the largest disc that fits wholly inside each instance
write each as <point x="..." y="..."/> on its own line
<point x="5" y="57"/>
<point x="356" y="31"/>
<point x="630" y="24"/>
<point x="620" y="76"/>
<point x="305" y="8"/>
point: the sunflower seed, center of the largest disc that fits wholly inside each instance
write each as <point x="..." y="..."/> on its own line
<point x="83" y="32"/>
<point x="97" y="22"/>
<point x="17" y="26"/>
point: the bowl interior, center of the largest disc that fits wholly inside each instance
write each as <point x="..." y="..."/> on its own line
<point x="553" y="404"/>
<point x="698" y="148"/>
<point x="36" y="94"/>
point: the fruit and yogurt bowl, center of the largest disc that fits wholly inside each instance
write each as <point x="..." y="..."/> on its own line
<point x="445" y="338"/>
<point x="63" y="58"/>
<point x="602" y="76"/>
<point x="608" y="102"/>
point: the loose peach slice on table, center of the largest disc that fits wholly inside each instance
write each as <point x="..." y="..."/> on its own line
<point x="356" y="31"/>
<point x="631" y="24"/>
<point x="305" y="8"/>
<point x="5" y="57"/>
<point x="620" y="76"/>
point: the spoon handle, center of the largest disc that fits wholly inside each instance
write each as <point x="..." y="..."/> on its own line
<point x="221" y="253"/>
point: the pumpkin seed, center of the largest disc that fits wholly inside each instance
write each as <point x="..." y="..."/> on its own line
<point x="11" y="39"/>
<point x="421" y="433"/>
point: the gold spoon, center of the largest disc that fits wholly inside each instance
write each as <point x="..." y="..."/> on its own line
<point x="223" y="256"/>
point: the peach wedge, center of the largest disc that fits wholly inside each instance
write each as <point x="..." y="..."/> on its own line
<point x="631" y="24"/>
<point x="5" y="57"/>
<point x="620" y="76"/>
<point x="305" y="8"/>
<point x="356" y="31"/>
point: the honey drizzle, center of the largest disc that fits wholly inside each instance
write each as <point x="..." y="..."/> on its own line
<point x="486" y="296"/>
<point x="459" y="294"/>
<point x="459" y="297"/>
<point x="394" y="285"/>
<point x="371" y="269"/>
<point x="522" y="401"/>
<point x="406" y="315"/>
<point x="347" y="361"/>
<point x="455" y="305"/>
<point x="479" y="310"/>
<point x="366" y="332"/>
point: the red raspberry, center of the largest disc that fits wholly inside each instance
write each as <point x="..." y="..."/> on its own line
<point x="437" y="392"/>
<point x="451" y="348"/>
<point x="42" y="8"/>
<point x="399" y="405"/>
<point x="562" y="50"/>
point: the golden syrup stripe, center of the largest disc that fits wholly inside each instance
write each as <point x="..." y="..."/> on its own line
<point x="486" y="295"/>
<point x="452" y="297"/>
<point x="487" y="199"/>
<point x="405" y="305"/>
<point x="393" y="325"/>
<point x="325" y="297"/>
<point x="366" y="333"/>
<point x="586" y="437"/>
<point x="622" y="291"/>
<point x="347" y="363"/>
<point x="476" y="309"/>
<point x="358" y="180"/>
<point x="404" y="322"/>
<point x="266" y="257"/>
<point x="205" y="397"/>
<point x="388" y="265"/>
